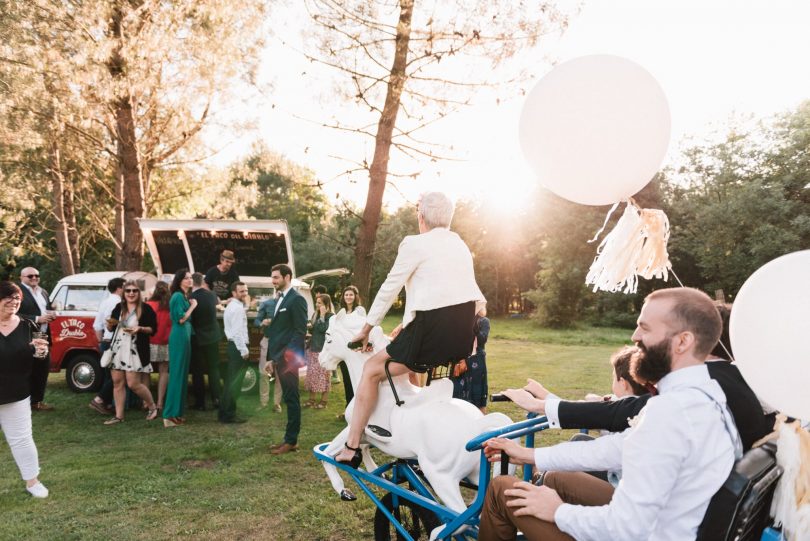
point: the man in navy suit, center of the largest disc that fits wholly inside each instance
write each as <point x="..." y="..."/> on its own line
<point x="35" y="306"/>
<point x="285" y="347"/>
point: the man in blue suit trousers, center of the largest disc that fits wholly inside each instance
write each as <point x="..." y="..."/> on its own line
<point x="285" y="347"/>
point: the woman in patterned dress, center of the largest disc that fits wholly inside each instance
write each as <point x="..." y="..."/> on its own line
<point x="134" y="322"/>
<point x="318" y="378"/>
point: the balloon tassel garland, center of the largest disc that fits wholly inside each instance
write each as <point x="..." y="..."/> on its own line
<point x="791" y="500"/>
<point x="637" y="246"/>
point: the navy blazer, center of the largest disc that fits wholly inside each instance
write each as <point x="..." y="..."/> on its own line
<point x="29" y="309"/>
<point x="289" y="326"/>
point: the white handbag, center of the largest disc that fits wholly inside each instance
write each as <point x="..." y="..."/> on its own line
<point x="107" y="356"/>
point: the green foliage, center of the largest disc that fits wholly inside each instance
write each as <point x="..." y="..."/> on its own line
<point x="100" y="81"/>
<point x="505" y="262"/>
<point x="564" y="256"/>
<point x="739" y="203"/>
<point x="733" y="206"/>
<point x="332" y="245"/>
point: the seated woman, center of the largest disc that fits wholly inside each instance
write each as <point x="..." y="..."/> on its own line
<point x="442" y="298"/>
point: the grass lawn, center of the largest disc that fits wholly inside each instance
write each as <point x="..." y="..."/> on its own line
<point x="206" y="480"/>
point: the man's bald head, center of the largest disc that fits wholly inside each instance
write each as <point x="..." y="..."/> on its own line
<point x="30" y="276"/>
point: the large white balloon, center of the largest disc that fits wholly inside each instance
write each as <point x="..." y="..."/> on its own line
<point x="770" y="333"/>
<point x="595" y="129"/>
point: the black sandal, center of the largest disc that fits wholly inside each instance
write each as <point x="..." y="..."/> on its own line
<point x="354" y="462"/>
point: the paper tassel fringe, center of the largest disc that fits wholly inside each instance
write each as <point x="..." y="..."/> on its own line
<point x="791" y="500"/>
<point x="637" y="246"/>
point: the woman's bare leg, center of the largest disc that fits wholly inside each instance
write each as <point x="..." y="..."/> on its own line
<point x="365" y="398"/>
<point x="119" y="392"/>
<point x="163" y="381"/>
<point x="135" y="382"/>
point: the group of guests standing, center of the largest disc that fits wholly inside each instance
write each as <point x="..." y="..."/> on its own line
<point x="443" y="320"/>
<point x="161" y="335"/>
<point x="145" y="337"/>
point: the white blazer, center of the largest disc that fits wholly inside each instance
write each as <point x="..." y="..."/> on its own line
<point x="436" y="269"/>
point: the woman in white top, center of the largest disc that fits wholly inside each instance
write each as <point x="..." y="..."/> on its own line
<point x="442" y="298"/>
<point x="351" y="302"/>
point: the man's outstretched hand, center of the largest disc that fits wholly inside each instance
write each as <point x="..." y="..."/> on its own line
<point x="536" y="389"/>
<point x="526" y="400"/>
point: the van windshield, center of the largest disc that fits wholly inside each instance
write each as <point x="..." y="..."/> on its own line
<point x="82" y="298"/>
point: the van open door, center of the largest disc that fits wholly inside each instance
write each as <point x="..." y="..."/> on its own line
<point x="324" y="274"/>
<point x="196" y="245"/>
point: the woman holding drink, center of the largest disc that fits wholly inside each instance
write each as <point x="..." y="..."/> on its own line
<point x="135" y="322"/>
<point x="18" y="351"/>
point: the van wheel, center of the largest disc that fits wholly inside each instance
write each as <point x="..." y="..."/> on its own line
<point x="84" y="373"/>
<point x="250" y="385"/>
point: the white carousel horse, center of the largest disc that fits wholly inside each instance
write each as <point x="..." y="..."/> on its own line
<point x="431" y="426"/>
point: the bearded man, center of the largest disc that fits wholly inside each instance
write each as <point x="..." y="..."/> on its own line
<point x="674" y="457"/>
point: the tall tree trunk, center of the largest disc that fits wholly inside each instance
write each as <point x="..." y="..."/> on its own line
<point x="129" y="171"/>
<point x="70" y="223"/>
<point x="378" y="174"/>
<point x="57" y="202"/>
<point x="118" y="202"/>
<point x="129" y="181"/>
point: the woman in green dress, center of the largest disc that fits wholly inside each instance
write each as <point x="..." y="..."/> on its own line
<point x="180" y="308"/>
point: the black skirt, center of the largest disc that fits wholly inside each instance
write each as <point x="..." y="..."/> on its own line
<point x="435" y="337"/>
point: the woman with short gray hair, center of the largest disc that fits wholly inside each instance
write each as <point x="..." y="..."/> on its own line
<point x="442" y="298"/>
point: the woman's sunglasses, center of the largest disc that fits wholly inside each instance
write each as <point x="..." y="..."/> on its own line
<point x="132" y="291"/>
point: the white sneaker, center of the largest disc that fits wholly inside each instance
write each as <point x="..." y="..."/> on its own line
<point x="38" y="491"/>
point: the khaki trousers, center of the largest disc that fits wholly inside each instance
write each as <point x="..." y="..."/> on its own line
<point x="499" y="523"/>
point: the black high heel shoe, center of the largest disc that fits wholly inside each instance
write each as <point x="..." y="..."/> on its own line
<point x="354" y="462"/>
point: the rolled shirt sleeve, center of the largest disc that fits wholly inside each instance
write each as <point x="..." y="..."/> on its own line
<point x="603" y="453"/>
<point x="552" y="408"/>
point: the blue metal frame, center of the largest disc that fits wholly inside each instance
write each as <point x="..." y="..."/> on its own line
<point x="400" y="471"/>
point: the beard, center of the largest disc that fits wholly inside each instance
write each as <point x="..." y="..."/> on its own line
<point x="651" y="363"/>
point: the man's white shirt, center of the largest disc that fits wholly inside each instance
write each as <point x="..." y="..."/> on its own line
<point x="236" y="329"/>
<point x="675" y="457"/>
<point x="104" y="312"/>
